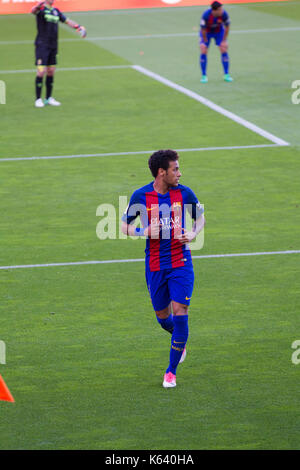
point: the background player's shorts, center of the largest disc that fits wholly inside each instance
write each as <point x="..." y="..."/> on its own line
<point x="170" y="284"/>
<point x="218" y="37"/>
<point x="45" y="56"/>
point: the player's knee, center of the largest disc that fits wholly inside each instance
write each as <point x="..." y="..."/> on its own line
<point x="203" y="49"/>
<point x="41" y="70"/>
<point x="50" y="72"/>
<point x="163" y="314"/>
<point x="224" y="49"/>
<point x="179" y="309"/>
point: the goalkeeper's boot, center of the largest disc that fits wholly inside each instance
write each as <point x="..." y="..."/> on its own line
<point x="169" y="380"/>
<point x="52" y="102"/>
<point x="204" y="79"/>
<point x="228" y="78"/>
<point x="39" y="103"/>
<point x="183" y="355"/>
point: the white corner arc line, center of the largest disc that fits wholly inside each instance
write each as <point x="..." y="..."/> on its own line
<point x="141" y="152"/>
<point x="210" y="104"/>
<point x="139" y="260"/>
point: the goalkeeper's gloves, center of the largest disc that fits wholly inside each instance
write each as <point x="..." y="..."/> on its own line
<point x="81" y="30"/>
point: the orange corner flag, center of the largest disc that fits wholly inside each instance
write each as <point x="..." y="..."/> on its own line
<point x="5" y="394"/>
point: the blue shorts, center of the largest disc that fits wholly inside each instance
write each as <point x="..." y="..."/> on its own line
<point x="218" y="37"/>
<point x="170" y="284"/>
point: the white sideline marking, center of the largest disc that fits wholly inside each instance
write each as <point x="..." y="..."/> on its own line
<point x="139" y="260"/>
<point x="267" y="135"/>
<point x="157" y="36"/>
<point x="70" y="69"/>
<point x="142" y="152"/>
<point x="210" y="104"/>
<point x="180" y="35"/>
<point x="181" y="89"/>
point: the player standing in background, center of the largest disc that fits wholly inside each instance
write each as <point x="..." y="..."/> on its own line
<point x="46" y="47"/>
<point x="161" y="207"/>
<point x="215" y="25"/>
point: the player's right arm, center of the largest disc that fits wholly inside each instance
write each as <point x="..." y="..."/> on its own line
<point x="135" y="209"/>
<point x="203" y="27"/>
<point x="204" y="34"/>
<point x="35" y="10"/>
<point x="152" y="231"/>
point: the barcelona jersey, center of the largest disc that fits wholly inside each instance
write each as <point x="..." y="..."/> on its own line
<point x="169" y="211"/>
<point x="213" y="24"/>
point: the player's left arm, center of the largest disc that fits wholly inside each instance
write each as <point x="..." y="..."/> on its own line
<point x="196" y="211"/>
<point x="80" y="29"/>
<point x="187" y="237"/>
<point x="226" y="32"/>
<point x="226" y="22"/>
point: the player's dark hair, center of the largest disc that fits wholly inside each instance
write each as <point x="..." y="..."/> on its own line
<point x="216" y="5"/>
<point x="161" y="159"/>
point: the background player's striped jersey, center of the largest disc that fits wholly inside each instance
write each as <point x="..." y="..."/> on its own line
<point x="168" y="210"/>
<point x="212" y="23"/>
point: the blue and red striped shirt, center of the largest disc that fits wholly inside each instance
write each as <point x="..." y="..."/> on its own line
<point x="214" y="24"/>
<point x="170" y="211"/>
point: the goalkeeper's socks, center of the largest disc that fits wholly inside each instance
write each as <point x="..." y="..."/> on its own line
<point x="38" y="87"/>
<point x="178" y="342"/>
<point x="167" y="323"/>
<point x="203" y="63"/>
<point x="49" y="86"/>
<point x="225" y="62"/>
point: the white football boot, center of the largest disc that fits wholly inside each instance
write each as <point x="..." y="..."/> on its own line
<point x="52" y="102"/>
<point x="39" y="103"/>
<point x="169" y="380"/>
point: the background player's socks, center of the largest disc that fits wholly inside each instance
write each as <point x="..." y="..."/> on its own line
<point x="38" y="87"/>
<point x="167" y="323"/>
<point x="49" y="85"/>
<point x="225" y="62"/>
<point x="179" y="339"/>
<point x="203" y="63"/>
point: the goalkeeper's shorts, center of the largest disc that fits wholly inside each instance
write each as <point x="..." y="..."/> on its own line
<point x="45" y="56"/>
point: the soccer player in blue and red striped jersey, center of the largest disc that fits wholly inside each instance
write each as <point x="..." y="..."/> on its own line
<point x="162" y="206"/>
<point x="215" y="25"/>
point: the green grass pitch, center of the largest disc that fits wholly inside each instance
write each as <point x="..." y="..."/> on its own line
<point x="85" y="356"/>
